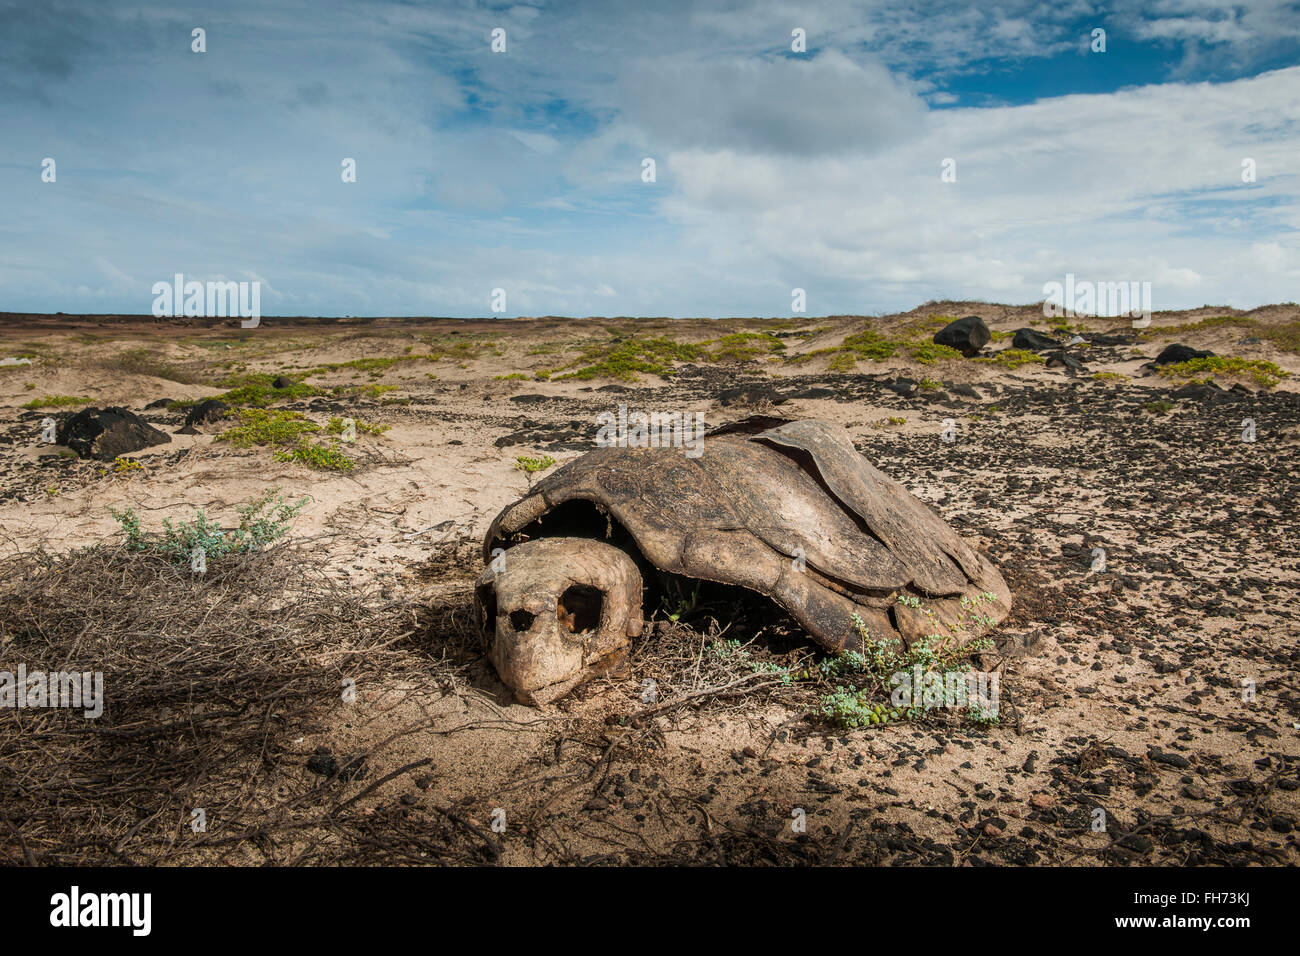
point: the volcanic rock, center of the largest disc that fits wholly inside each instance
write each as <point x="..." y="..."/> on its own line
<point x="967" y="335"/>
<point x="105" y="434"/>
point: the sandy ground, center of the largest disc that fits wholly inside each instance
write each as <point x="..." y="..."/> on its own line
<point x="1122" y="688"/>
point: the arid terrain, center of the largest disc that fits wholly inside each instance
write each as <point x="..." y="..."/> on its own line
<point x="1154" y="679"/>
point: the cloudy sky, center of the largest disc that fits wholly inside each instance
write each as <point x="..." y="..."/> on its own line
<point x="523" y="169"/>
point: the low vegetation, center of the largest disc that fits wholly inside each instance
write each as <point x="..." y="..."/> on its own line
<point x="627" y="359"/>
<point x="1013" y="358"/>
<point x="57" y="401"/>
<point x="1263" y="373"/>
<point x="262" y="521"/>
<point x="531" y="465"/>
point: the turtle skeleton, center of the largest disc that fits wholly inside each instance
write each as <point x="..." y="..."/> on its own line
<point x="787" y="509"/>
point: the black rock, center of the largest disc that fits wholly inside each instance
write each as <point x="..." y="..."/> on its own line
<point x="814" y="392"/>
<point x="1064" y="359"/>
<point x="1033" y="341"/>
<point x="161" y="403"/>
<point x="1173" y="760"/>
<point x="1200" y="391"/>
<point x="1111" y="339"/>
<point x="528" y="399"/>
<point x="105" y="434"/>
<point x="1176" y="353"/>
<point x="209" y="410"/>
<point x="967" y="335"/>
<point x="751" y="395"/>
<point x="904" y="386"/>
<point x="323" y="764"/>
<point x="282" y="381"/>
<point x="326" y="764"/>
<point x="961" y="388"/>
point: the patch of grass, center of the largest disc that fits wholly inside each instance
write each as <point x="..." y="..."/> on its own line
<point x="870" y="345"/>
<point x="1013" y="358"/>
<point x="1263" y="373"/>
<point x="530" y="466"/>
<point x="57" y="401"/>
<point x="927" y="353"/>
<point x="1110" y="376"/>
<point x="512" y="377"/>
<point x="369" y="390"/>
<point x="1160" y="407"/>
<point x="887" y="422"/>
<point x="1286" y="337"/>
<point x="259" y="426"/>
<point x="627" y="359"/>
<point x="745" y="347"/>
<point x="287" y="432"/>
<point x="456" y="347"/>
<point x="929" y="385"/>
<point x="316" y="455"/>
<point x="255" y="389"/>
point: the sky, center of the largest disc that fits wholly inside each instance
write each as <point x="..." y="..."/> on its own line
<point x="1171" y="157"/>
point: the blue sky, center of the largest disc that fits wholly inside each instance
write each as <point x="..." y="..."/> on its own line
<point x="522" y="170"/>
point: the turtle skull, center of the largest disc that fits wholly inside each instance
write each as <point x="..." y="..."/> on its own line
<point x="557" y="612"/>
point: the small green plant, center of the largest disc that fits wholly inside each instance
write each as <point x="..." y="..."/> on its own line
<point x="1013" y="358"/>
<point x="680" y="603"/>
<point x="887" y="422"/>
<point x="260" y="426"/>
<point x="870" y="345"/>
<point x="262" y="521"/>
<point x="1263" y="373"/>
<point x="258" y="390"/>
<point x="316" y="455"/>
<point x="530" y="465"/>
<point x="745" y="347"/>
<point x="1159" y="407"/>
<point x="1110" y="376"/>
<point x="936" y="658"/>
<point x="57" y="401"/>
<point x="626" y="359"/>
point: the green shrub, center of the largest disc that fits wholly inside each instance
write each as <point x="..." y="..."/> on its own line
<point x="1013" y="358"/>
<point x="1262" y="373"/>
<point x="259" y="426"/>
<point x="263" y="521"/>
<point x="530" y="466"/>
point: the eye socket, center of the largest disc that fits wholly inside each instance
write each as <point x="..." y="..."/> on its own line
<point x="487" y="602"/>
<point x="522" y="620"/>
<point x="579" y="608"/>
